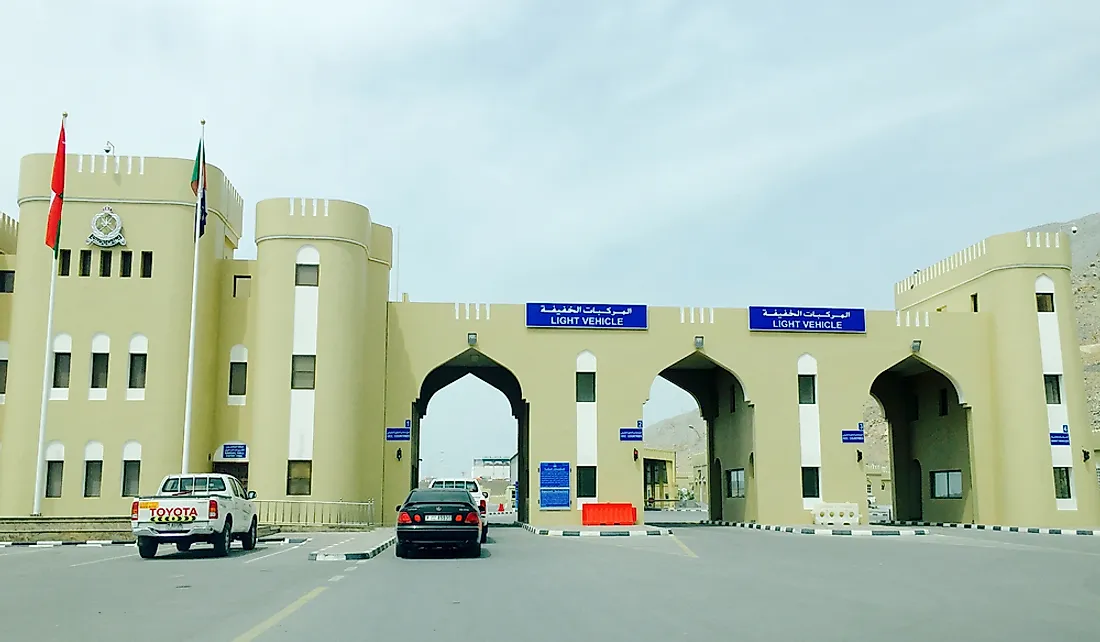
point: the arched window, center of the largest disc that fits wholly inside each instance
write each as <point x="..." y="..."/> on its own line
<point x="62" y="362"/>
<point x="138" y="367"/>
<point x="238" y="375"/>
<point x="307" y="268"/>
<point x="131" y="469"/>
<point x="100" y="367"/>
<point x="93" y="469"/>
<point x="55" y="467"/>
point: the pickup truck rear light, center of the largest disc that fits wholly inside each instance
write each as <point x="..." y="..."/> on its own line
<point x="472" y="518"/>
<point x="134" y="511"/>
<point x="481" y="506"/>
<point x="213" y="513"/>
<point x="404" y="518"/>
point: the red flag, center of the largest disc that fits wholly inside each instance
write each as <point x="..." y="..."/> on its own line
<point x="53" y="223"/>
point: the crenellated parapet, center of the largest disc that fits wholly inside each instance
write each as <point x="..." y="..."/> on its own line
<point x="9" y="234"/>
<point x="132" y="180"/>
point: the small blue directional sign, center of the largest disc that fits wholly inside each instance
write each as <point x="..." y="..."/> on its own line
<point x="639" y="423"/>
<point x="408" y="423"/>
<point x="851" y="436"/>
<point x="630" y="434"/>
<point x="398" y="434"/>
<point x="1060" y="438"/>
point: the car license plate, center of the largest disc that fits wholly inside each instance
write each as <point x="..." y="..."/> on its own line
<point x="437" y="518"/>
<point x="173" y="527"/>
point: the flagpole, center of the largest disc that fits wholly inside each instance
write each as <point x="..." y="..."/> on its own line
<point x="187" y="412"/>
<point x="47" y="376"/>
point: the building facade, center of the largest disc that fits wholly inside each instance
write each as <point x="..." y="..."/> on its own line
<point x="311" y="383"/>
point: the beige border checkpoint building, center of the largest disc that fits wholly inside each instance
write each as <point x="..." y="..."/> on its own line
<point x="311" y="383"/>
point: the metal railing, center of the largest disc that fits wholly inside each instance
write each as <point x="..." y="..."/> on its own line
<point x="295" y="512"/>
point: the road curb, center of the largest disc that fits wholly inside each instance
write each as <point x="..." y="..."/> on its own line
<point x="609" y="533"/>
<point x="807" y="530"/>
<point x="343" y="557"/>
<point x="86" y="543"/>
<point x="1007" y="529"/>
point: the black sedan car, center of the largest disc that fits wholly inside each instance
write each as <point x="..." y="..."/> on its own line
<point x="439" y="518"/>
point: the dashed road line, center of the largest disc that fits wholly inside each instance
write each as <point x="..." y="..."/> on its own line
<point x="105" y="559"/>
<point x="278" y="552"/>
<point x="336" y="578"/>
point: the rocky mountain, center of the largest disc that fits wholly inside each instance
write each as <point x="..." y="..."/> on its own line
<point x="686" y="433"/>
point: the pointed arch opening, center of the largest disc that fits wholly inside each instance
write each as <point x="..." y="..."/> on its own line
<point x="698" y="416"/>
<point x="472" y="433"/>
<point x="921" y="448"/>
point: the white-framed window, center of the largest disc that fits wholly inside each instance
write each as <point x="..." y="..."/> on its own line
<point x="99" y="368"/>
<point x="1063" y="486"/>
<point x="238" y="375"/>
<point x="138" y="368"/>
<point x="811" y="482"/>
<point x="93" y="469"/>
<point x="62" y="364"/>
<point x="55" y="468"/>
<point x="735" y="483"/>
<point x="807" y="389"/>
<point x="131" y="469"/>
<point x="1053" y="385"/>
<point x="946" y="484"/>
<point x="303" y="372"/>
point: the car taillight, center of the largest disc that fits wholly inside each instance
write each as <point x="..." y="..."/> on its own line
<point x="213" y="514"/>
<point x="472" y="518"/>
<point x="482" y="506"/>
<point x="404" y="518"/>
<point x="133" y="511"/>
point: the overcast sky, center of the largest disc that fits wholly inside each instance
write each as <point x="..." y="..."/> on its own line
<point x="674" y="152"/>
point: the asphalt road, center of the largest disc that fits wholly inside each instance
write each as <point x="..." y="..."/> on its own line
<point x="701" y="582"/>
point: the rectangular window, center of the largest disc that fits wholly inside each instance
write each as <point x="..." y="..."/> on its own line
<point x="54" y="472"/>
<point x="1044" y="301"/>
<point x="1053" y="385"/>
<point x="126" y="264"/>
<point x="735" y="483"/>
<point x="586" y="481"/>
<point x="946" y="484"/>
<point x="943" y="402"/>
<point x="64" y="262"/>
<point x="242" y="286"/>
<point x="303" y="372"/>
<point x="586" y="387"/>
<point x="807" y="389"/>
<point x="974" y="302"/>
<point x="93" y="478"/>
<point x="733" y="399"/>
<point x="7" y="281"/>
<point x="238" y="378"/>
<point x="85" y="262"/>
<point x="61" y="361"/>
<point x="811" y="481"/>
<point x="104" y="263"/>
<point x="146" y="265"/>
<point x="1061" y="483"/>
<point x="100" y="362"/>
<point x="138" y="364"/>
<point x="131" y="478"/>
<point x="3" y="376"/>
<point x="307" y="275"/>
<point x="299" y="477"/>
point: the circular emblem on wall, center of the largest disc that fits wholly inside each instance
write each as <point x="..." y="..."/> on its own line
<point x="107" y="229"/>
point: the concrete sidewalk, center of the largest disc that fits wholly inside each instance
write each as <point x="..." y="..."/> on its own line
<point x="356" y="546"/>
<point x="852" y="531"/>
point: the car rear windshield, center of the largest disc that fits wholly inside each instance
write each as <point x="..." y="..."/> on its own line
<point x="194" y="485"/>
<point x="449" y="496"/>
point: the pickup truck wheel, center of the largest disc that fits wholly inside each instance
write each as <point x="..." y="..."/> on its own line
<point x="147" y="547"/>
<point x="248" y="542"/>
<point x="224" y="540"/>
<point x="183" y="547"/>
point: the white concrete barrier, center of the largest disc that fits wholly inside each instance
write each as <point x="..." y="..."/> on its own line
<point x="836" y="514"/>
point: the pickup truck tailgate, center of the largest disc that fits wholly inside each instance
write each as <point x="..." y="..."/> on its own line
<point x="173" y="514"/>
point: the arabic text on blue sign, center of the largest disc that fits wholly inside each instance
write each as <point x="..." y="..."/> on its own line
<point x="1059" y="439"/>
<point x="781" y="319"/>
<point x="234" y="451"/>
<point x="554" y="498"/>
<point x="554" y="474"/>
<point x="851" y="436"/>
<point x="398" y="434"/>
<point x="630" y="434"/>
<point x="587" y="316"/>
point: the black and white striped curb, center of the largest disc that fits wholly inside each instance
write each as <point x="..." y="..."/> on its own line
<point x="1007" y="529"/>
<point x="808" y="530"/>
<point x="96" y="543"/>
<point x="605" y="533"/>
<point x="362" y="555"/>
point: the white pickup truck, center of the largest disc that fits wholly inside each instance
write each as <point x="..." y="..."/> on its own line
<point x="207" y="508"/>
<point x="476" y="493"/>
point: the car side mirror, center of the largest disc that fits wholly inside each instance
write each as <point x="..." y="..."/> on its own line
<point x="252" y="494"/>
<point x="399" y="508"/>
<point x="485" y="494"/>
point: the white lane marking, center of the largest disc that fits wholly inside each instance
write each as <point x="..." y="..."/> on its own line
<point x="105" y="559"/>
<point x="350" y="568"/>
<point x="336" y="578"/>
<point x="335" y="545"/>
<point x="278" y="552"/>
